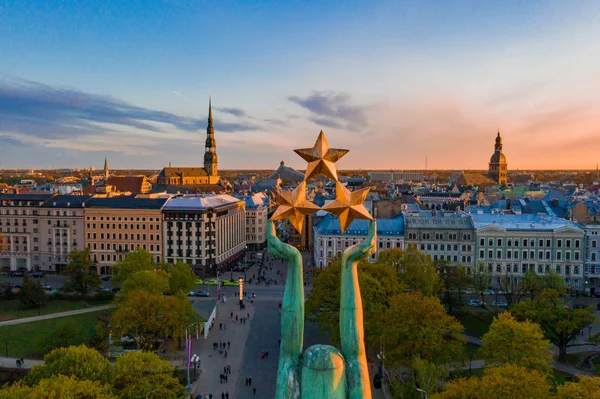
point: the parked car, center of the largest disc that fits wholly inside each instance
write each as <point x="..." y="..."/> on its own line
<point x="46" y="287"/>
<point x="469" y="291"/>
<point x="105" y="278"/>
<point x="105" y="289"/>
<point x="17" y="274"/>
<point x="37" y="275"/>
<point x="500" y="304"/>
<point x="488" y="292"/>
<point x="202" y="293"/>
<point x="475" y="302"/>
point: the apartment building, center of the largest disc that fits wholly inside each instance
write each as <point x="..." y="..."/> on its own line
<point x="20" y="231"/>
<point x="257" y="208"/>
<point x="330" y="242"/>
<point x="206" y="231"/>
<point x="61" y="230"/>
<point x="117" y="225"/>
<point x="510" y="245"/>
<point x="447" y="236"/>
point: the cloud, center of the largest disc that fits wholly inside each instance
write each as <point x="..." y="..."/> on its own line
<point x="240" y="113"/>
<point x="333" y="110"/>
<point x="54" y="113"/>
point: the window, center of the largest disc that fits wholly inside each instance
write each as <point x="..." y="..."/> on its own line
<point x="558" y="255"/>
<point x="516" y="254"/>
<point x="540" y="269"/>
<point x="481" y="253"/>
<point x="482" y="241"/>
<point x="498" y="269"/>
<point x="499" y="242"/>
<point x="524" y="243"/>
<point x="490" y="254"/>
<point x="540" y="243"/>
<point x="509" y="254"/>
<point x="559" y="243"/>
<point x="568" y="245"/>
<point x="516" y="242"/>
<point x="490" y="242"/>
<point x="567" y="256"/>
<point x="576" y="243"/>
<point x="499" y="254"/>
<point x="509" y="242"/>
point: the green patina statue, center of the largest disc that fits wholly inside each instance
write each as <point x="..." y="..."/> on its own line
<point x="322" y="371"/>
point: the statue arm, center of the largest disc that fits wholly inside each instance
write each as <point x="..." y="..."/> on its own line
<point x="292" y="317"/>
<point x="351" y="317"/>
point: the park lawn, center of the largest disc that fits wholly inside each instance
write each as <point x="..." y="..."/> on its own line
<point x="476" y="324"/>
<point x="11" y="309"/>
<point x="25" y="340"/>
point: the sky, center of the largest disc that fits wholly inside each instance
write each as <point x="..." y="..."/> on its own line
<point x="395" y="82"/>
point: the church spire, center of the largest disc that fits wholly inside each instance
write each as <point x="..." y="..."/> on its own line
<point x="210" y="151"/>
<point x="210" y="129"/>
<point x="105" y="167"/>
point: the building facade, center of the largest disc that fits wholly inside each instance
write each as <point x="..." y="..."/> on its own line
<point x="444" y="236"/>
<point x="498" y="168"/>
<point x="396" y="176"/>
<point x="20" y="231"/>
<point x="62" y="230"/>
<point x="510" y="245"/>
<point x="116" y="225"/>
<point x="257" y="209"/>
<point x="591" y="272"/>
<point x="205" y="231"/>
<point x="329" y="242"/>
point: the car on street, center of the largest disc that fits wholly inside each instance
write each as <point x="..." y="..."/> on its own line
<point x="469" y="291"/>
<point x="488" y="292"/>
<point x="46" y="287"/>
<point x="500" y="304"/>
<point x="37" y="275"/>
<point x="475" y="302"/>
<point x="105" y="278"/>
<point x="205" y="294"/>
<point x="17" y="274"/>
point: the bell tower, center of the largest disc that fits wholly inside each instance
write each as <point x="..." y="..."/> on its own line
<point x="210" y="151"/>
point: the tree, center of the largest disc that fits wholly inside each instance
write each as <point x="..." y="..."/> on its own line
<point x="585" y="388"/>
<point x="378" y="283"/>
<point x="560" y="324"/>
<point x="454" y="282"/>
<point x="80" y="278"/>
<point x="78" y="362"/>
<point x="481" y="280"/>
<point x="513" y="290"/>
<point x="514" y="342"/>
<point x="151" y="281"/>
<point x="182" y="278"/>
<point x="59" y="386"/>
<point x="134" y="261"/>
<point x="138" y="374"/>
<point x="503" y="382"/>
<point x="428" y="376"/>
<point x="149" y="316"/>
<point x="32" y="295"/>
<point x="418" y="326"/>
<point x="415" y="269"/>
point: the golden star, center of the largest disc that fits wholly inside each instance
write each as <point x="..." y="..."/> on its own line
<point x="321" y="159"/>
<point x="293" y="205"/>
<point x="348" y="205"/>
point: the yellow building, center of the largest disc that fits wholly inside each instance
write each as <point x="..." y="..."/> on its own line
<point x="498" y="170"/>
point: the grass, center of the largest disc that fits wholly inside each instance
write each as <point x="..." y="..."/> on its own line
<point x="25" y="340"/>
<point x="11" y="309"/>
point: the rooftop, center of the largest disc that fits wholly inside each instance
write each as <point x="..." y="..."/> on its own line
<point x="66" y="201"/>
<point x="200" y="202"/>
<point x="25" y="197"/>
<point x="330" y="225"/>
<point x="126" y="202"/>
<point x="525" y="222"/>
<point x="437" y="220"/>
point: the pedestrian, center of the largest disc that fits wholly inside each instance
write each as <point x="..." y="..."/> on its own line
<point x="225" y="326"/>
<point x="228" y="344"/>
<point x="221" y="377"/>
<point x="250" y="381"/>
<point x="225" y="369"/>
<point x="220" y="326"/>
<point x="223" y="344"/>
<point x="278" y="342"/>
<point x="222" y="395"/>
<point x="225" y="354"/>
<point x="254" y="391"/>
<point x="226" y="395"/>
<point x="236" y="318"/>
<point x="246" y="381"/>
<point x="231" y="315"/>
<point x="262" y="354"/>
<point x="266" y="353"/>
<point x="225" y="378"/>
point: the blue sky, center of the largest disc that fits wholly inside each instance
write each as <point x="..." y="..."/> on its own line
<point x="394" y="82"/>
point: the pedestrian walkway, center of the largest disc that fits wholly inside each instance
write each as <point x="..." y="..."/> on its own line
<point x="52" y="315"/>
<point x="211" y="362"/>
<point x="11" y="362"/>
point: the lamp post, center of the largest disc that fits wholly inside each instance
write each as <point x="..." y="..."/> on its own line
<point x="196" y="363"/>
<point x="188" y="342"/>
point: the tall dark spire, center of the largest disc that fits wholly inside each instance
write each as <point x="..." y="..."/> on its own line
<point x="210" y="129"/>
<point x="210" y="153"/>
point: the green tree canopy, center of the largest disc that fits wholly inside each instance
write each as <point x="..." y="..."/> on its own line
<point x="415" y="269"/>
<point x="78" y="362"/>
<point x="59" y="386"/>
<point x="134" y="261"/>
<point x="151" y="281"/>
<point x="138" y="374"/>
<point x="418" y="326"/>
<point x="32" y="295"/>
<point x="378" y="283"/>
<point x="182" y="278"/>
<point x="65" y="335"/>
<point x="520" y="343"/>
<point x="585" y="388"/>
<point x="455" y="281"/>
<point x="560" y="324"/>
<point x="80" y="278"/>
<point x="503" y="382"/>
<point x="149" y="316"/>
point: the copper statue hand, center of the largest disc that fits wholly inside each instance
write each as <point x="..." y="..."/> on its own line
<point x="278" y="248"/>
<point x="367" y="248"/>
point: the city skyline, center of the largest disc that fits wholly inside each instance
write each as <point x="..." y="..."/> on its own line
<point x="396" y="83"/>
